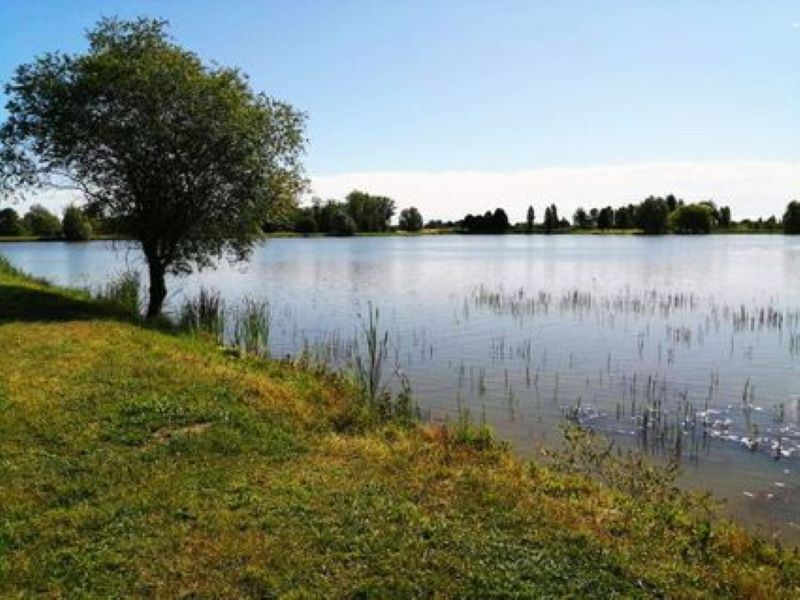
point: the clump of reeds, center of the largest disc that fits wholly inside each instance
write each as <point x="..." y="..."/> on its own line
<point x="373" y="376"/>
<point x="204" y="314"/>
<point x="370" y="367"/>
<point x="251" y="327"/>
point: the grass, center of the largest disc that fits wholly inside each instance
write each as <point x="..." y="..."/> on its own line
<point x="137" y="461"/>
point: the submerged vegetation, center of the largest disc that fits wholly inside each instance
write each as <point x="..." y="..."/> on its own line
<point x="141" y="460"/>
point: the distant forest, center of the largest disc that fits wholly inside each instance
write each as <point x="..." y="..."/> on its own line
<point x="361" y="212"/>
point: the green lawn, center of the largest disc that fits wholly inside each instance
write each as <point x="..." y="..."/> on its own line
<point x="136" y="461"/>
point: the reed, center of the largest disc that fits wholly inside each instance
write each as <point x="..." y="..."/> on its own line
<point x="204" y="314"/>
<point x="251" y="327"/>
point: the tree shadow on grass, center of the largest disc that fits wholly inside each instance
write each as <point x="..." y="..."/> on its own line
<point x="29" y="304"/>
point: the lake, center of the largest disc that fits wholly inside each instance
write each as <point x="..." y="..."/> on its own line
<point x="687" y="345"/>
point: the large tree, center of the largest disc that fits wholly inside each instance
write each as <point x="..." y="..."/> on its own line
<point x="791" y="218"/>
<point x="370" y="212"/>
<point x="184" y="156"/>
<point x="652" y="215"/>
<point x="410" y="219"/>
<point x="10" y="223"/>
<point x="530" y="219"/>
<point x="40" y="221"/>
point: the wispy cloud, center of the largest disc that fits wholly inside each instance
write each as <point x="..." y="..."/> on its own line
<point x="751" y="188"/>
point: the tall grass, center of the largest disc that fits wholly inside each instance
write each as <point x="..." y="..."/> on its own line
<point x="124" y="289"/>
<point x="204" y="314"/>
<point x="373" y="377"/>
<point x="7" y="268"/>
<point x="370" y="366"/>
<point x="251" y="327"/>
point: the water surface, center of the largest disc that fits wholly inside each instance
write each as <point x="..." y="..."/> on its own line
<point x="679" y="344"/>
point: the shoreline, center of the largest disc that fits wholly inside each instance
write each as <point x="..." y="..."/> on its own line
<point x="146" y="458"/>
<point x="404" y="234"/>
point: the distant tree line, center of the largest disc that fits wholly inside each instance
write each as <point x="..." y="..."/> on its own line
<point x="362" y="212"/>
<point x="358" y="212"/>
<point x="75" y="225"/>
<point x="654" y="215"/>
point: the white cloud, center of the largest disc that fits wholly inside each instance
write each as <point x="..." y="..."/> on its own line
<point x="751" y="188"/>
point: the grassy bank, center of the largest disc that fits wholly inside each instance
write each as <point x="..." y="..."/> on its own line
<point x="140" y="461"/>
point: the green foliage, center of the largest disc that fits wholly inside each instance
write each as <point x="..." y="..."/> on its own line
<point x="791" y="218"/>
<point x="305" y="223"/>
<point x="149" y="464"/>
<point x="623" y="217"/>
<point x="124" y="290"/>
<point x="10" y="223"/>
<point x="551" y="220"/>
<point x="369" y="212"/>
<point x="251" y="330"/>
<point x="476" y="436"/>
<point x="76" y="226"/>
<point x="186" y="159"/>
<point x="410" y="219"/>
<point x="652" y="215"/>
<point x="490" y="222"/>
<point x="581" y="219"/>
<point x="204" y="314"/>
<point x="341" y="223"/>
<point x="725" y="217"/>
<point x="40" y="221"/>
<point x="605" y="218"/>
<point x="691" y="218"/>
<point x="530" y="220"/>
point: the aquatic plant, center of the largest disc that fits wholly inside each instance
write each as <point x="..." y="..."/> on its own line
<point x="204" y="314"/>
<point x="251" y="327"/>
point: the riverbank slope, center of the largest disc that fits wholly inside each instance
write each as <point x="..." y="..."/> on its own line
<point x="141" y="461"/>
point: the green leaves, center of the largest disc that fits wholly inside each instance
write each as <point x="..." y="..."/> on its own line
<point x="186" y="157"/>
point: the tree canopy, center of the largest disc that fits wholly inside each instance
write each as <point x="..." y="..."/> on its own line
<point x="370" y="213"/>
<point x="184" y="156"/>
<point x="10" y="223"/>
<point x="40" y="221"/>
<point x="410" y="219"/>
<point x="791" y="218"/>
<point x="652" y="215"/>
<point x="489" y="222"/>
<point x="692" y="218"/>
<point x="75" y="225"/>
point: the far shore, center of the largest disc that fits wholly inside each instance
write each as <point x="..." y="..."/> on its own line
<point x="432" y="232"/>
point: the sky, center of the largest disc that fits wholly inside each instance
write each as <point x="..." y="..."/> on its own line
<point x="463" y="106"/>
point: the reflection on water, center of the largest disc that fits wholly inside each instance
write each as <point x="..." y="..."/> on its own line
<point x="680" y="345"/>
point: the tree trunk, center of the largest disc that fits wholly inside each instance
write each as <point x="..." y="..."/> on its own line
<point x="158" y="289"/>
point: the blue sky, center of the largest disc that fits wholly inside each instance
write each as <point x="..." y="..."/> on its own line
<point x="495" y="88"/>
